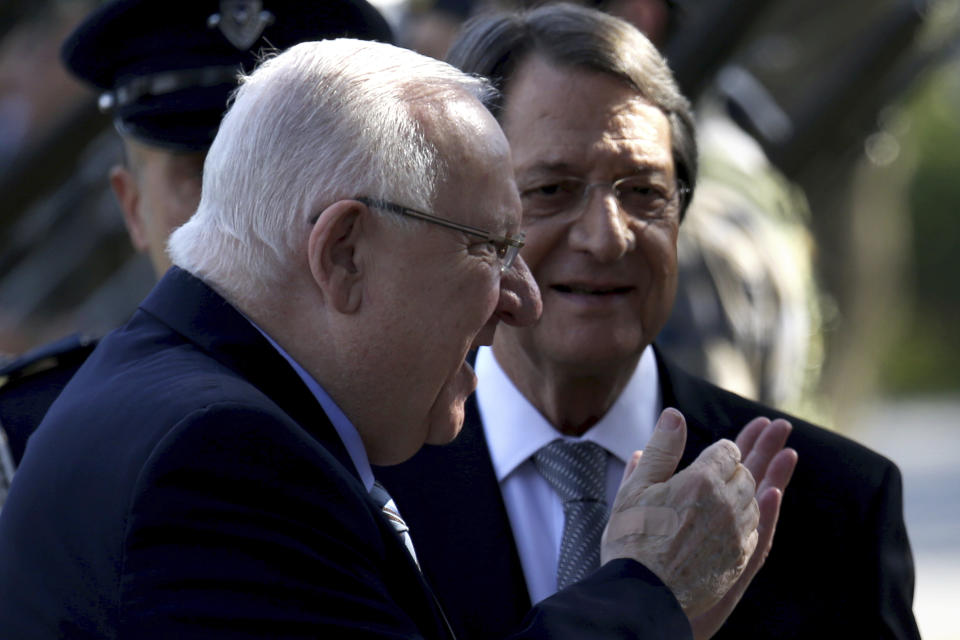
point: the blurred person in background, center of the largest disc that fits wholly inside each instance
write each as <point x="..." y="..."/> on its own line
<point x="747" y="313"/>
<point x="605" y="157"/>
<point x="165" y="71"/>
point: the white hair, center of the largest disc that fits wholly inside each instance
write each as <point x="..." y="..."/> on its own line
<point x="320" y="122"/>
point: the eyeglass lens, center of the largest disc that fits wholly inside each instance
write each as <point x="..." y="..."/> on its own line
<point x="637" y="196"/>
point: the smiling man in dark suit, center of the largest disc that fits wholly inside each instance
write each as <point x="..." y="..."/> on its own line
<point x="207" y="471"/>
<point x="605" y="158"/>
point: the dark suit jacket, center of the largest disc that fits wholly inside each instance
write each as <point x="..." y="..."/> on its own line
<point x="187" y="484"/>
<point x="840" y="566"/>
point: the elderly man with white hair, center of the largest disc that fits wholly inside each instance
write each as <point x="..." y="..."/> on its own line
<point x="207" y="472"/>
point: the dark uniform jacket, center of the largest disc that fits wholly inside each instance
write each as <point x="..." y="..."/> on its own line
<point x="29" y="385"/>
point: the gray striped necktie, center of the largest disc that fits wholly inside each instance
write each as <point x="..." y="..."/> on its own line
<point x="390" y="511"/>
<point x="577" y="472"/>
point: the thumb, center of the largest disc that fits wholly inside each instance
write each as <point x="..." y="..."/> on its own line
<point x="663" y="451"/>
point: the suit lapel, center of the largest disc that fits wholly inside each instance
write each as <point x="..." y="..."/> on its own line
<point x="398" y="572"/>
<point x="501" y="574"/>
<point x="198" y="313"/>
<point x="698" y="401"/>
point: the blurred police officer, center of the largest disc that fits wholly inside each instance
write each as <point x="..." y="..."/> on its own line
<point x="166" y="71"/>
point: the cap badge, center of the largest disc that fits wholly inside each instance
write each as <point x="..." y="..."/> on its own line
<point x="241" y="21"/>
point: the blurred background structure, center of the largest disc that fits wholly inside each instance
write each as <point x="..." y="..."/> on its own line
<point x="839" y="120"/>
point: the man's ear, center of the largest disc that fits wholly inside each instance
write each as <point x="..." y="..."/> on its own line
<point x="333" y="252"/>
<point x="127" y="191"/>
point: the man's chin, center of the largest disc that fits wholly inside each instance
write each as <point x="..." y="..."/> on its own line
<point x="594" y="349"/>
<point x="443" y="429"/>
<point x="447" y="419"/>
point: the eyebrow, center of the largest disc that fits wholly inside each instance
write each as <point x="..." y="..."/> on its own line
<point x="550" y="168"/>
<point x="565" y="169"/>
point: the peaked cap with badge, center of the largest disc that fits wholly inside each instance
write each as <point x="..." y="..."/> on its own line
<point x="167" y="69"/>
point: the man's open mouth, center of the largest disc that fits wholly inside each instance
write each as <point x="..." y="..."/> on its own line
<point x="590" y="290"/>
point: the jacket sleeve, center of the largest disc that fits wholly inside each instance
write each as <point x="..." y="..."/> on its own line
<point x="894" y="579"/>
<point x="622" y="599"/>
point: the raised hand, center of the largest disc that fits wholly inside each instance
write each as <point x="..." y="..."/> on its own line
<point x="696" y="529"/>
<point x="761" y="444"/>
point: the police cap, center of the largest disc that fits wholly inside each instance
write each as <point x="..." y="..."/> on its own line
<point x="167" y="67"/>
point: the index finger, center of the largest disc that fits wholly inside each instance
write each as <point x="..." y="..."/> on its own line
<point x="749" y="434"/>
<point x="779" y="471"/>
<point x="769" y="443"/>
<point x="722" y="457"/>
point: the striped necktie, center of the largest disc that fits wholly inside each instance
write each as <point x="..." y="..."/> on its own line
<point x="577" y="472"/>
<point x="390" y="511"/>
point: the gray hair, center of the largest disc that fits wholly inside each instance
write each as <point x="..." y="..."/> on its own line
<point x="568" y="35"/>
<point x="318" y="123"/>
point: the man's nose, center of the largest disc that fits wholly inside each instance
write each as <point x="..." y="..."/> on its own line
<point x="602" y="228"/>
<point x="520" y="303"/>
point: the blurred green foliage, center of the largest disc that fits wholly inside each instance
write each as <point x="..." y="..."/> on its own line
<point x="927" y="358"/>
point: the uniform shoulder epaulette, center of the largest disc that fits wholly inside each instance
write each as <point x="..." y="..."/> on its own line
<point x="68" y="351"/>
<point x="29" y="385"/>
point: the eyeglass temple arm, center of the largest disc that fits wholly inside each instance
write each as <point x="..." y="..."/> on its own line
<point x="413" y="213"/>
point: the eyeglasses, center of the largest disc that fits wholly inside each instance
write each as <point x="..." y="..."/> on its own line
<point x="507" y="247"/>
<point x="638" y="197"/>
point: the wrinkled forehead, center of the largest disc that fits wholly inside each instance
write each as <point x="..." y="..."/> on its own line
<point x="477" y="185"/>
<point x="575" y="119"/>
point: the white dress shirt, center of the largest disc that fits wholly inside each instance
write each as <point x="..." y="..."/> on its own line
<point x="515" y="430"/>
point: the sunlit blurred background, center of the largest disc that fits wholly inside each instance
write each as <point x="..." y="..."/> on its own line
<point x="856" y="103"/>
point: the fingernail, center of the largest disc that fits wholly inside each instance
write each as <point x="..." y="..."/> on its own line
<point x="670" y="419"/>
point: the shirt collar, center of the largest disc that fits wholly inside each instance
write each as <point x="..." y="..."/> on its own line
<point x="344" y="428"/>
<point x="515" y="429"/>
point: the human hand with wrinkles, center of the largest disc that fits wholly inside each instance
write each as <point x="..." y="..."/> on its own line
<point x="696" y="529"/>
